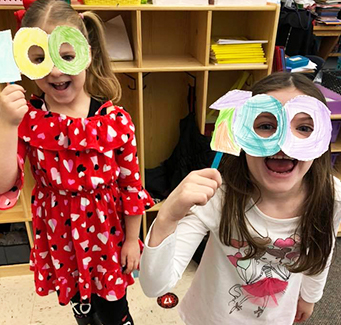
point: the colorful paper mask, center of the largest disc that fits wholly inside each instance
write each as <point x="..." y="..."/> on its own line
<point x="27" y="37"/>
<point x="238" y="111"/>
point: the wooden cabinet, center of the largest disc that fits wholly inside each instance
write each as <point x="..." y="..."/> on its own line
<point x="171" y="48"/>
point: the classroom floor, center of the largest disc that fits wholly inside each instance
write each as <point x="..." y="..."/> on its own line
<point x="20" y="305"/>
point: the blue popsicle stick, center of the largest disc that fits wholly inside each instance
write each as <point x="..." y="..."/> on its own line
<point x="216" y="160"/>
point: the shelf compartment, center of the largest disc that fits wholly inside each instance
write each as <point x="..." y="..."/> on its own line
<point x="164" y="105"/>
<point x="174" y="38"/>
<point x="132" y="22"/>
<point x="254" y="25"/>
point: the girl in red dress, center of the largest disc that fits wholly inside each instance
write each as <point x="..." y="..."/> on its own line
<point x="88" y="198"/>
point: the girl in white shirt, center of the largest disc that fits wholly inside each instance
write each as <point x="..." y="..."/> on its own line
<point x="272" y="222"/>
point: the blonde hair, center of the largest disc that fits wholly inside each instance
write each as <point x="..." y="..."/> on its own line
<point x="101" y="82"/>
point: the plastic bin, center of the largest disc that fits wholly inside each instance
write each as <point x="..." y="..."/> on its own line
<point x="335" y="131"/>
<point x="333" y="99"/>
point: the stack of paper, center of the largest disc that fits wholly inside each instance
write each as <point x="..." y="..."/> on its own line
<point x="237" y="50"/>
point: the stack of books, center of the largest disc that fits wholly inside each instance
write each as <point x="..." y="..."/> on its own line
<point x="237" y="50"/>
<point x="328" y="11"/>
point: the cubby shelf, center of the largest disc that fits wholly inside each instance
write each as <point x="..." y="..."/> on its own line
<point x="171" y="47"/>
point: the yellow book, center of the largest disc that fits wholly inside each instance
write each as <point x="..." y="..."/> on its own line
<point x="238" y="50"/>
<point x="248" y="60"/>
<point x="241" y="46"/>
<point x="261" y="53"/>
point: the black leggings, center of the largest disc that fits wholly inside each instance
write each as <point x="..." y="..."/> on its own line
<point x="109" y="312"/>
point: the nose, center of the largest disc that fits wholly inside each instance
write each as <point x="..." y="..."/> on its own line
<point x="56" y="72"/>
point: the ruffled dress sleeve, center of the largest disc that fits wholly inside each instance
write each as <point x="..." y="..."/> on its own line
<point x="135" y="199"/>
<point x="10" y="198"/>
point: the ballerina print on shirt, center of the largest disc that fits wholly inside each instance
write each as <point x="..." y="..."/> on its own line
<point x="265" y="277"/>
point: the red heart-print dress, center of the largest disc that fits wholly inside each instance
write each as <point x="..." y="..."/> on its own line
<point x="87" y="177"/>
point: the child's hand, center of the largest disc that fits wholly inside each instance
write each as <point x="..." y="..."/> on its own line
<point x="196" y="189"/>
<point x="130" y="255"/>
<point x="13" y="105"/>
<point x="304" y="310"/>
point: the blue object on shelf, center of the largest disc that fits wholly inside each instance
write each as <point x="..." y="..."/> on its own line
<point x="296" y="61"/>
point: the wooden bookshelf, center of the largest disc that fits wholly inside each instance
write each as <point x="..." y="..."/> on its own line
<point x="171" y="47"/>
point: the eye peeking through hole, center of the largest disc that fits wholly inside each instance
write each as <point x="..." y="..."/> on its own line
<point x="265" y="125"/>
<point x="67" y="52"/>
<point x="302" y="125"/>
<point x="36" y="54"/>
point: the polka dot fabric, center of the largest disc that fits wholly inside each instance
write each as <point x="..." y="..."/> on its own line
<point x="87" y="178"/>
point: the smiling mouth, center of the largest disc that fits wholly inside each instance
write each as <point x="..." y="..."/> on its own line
<point x="60" y="85"/>
<point x="280" y="164"/>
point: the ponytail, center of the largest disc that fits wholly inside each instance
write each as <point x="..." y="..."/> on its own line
<point x="101" y="82"/>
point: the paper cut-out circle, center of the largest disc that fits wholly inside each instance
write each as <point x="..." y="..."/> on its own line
<point x="318" y="141"/>
<point x="23" y="40"/>
<point x="243" y="130"/>
<point x="73" y="36"/>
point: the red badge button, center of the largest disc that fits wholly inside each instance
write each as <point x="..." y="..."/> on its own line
<point x="169" y="300"/>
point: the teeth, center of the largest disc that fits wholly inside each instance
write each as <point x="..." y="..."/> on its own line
<point x="281" y="157"/>
<point x="60" y="84"/>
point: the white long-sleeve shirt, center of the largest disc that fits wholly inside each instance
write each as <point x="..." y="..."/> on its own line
<point x="227" y="290"/>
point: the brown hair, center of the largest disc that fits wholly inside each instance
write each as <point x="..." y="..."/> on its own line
<point x="315" y="228"/>
<point x="101" y="82"/>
